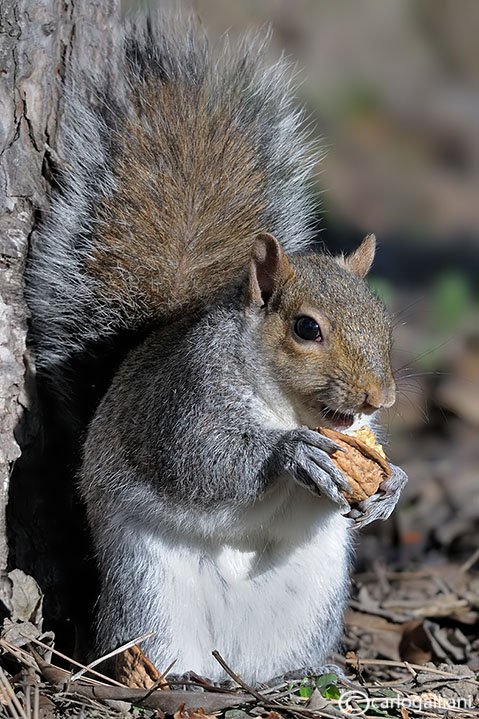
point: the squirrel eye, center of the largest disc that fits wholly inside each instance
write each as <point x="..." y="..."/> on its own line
<point x="307" y="329"/>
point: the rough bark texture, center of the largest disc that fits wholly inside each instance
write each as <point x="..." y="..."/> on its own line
<point x="39" y="44"/>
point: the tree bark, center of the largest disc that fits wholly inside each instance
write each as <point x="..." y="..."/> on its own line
<point x="40" y="43"/>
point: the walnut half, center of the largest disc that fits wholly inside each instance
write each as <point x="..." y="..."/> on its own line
<point x="364" y="465"/>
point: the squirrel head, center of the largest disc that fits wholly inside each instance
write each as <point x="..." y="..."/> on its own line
<point x="325" y="335"/>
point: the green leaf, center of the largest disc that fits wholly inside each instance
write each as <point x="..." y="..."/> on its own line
<point x="326" y="686"/>
<point x="305" y="691"/>
<point x="325" y="680"/>
<point x="386" y="693"/>
<point x="374" y="711"/>
<point x="331" y="692"/>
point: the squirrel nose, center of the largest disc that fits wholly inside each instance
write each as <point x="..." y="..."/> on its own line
<point x="378" y="397"/>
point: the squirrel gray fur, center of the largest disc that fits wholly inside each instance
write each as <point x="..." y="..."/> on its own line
<point x="185" y="212"/>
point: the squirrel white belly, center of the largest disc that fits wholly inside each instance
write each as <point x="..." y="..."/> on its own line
<point x="185" y="214"/>
<point x="259" y="601"/>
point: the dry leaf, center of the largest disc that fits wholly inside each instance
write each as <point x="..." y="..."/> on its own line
<point x="415" y="646"/>
<point x="135" y="670"/>
<point x="26" y="598"/>
<point x="193" y="713"/>
<point x="385" y="635"/>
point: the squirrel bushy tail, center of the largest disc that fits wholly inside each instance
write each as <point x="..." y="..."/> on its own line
<point x="183" y="156"/>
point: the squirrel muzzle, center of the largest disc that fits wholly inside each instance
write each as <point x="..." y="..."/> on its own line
<point x="379" y="397"/>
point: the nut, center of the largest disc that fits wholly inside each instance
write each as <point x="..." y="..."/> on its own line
<point x="363" y="463"/>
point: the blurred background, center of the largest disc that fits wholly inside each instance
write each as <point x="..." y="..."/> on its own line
<point x="392" y="90"/>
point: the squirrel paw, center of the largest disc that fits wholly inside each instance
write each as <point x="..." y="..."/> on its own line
<point x="381" y="505"/>
<point x="307" y="460"/>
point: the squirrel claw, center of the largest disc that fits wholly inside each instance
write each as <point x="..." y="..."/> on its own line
<point x="381" y="505"/>
<point x="308" y="461"/>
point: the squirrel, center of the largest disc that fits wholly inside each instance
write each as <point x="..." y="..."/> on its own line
<point x="185" y="212"/>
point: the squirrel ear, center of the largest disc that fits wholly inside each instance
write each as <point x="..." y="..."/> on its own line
<point x="268" y="269"/>
<point x="359" y="262"/>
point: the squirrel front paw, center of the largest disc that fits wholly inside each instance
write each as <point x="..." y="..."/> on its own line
<point x="306" y="458"/>
<point x="381" y="505"/>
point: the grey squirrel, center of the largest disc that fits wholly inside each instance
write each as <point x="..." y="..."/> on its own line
<point x="185" y="212"/>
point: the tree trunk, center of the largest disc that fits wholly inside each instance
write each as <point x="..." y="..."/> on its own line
<point x="39" y="44"/>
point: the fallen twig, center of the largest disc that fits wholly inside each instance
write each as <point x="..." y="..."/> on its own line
<point x="10" y="697"/>
<point x="417" y="667"/>
<point x="237" y="678"/>
<point x="69" y="659"/>
<point x="129" y="644"/>
<point x="168" y="702"/>
<point x="469" y="562"/>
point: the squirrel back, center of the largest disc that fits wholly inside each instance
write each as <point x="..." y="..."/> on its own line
<point x="180" y="159"/>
